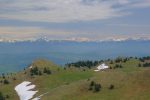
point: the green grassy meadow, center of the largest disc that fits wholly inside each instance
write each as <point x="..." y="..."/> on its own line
<point x="130" y="82"/>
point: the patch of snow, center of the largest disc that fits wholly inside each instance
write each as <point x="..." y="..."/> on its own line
<point x="30" y="67"/>
<point x="24" y="91"/>
<point x="96" y="70"/>
<point x="101" y="67"/>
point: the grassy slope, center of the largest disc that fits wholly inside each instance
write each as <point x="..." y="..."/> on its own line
<point x="131" y="83"/>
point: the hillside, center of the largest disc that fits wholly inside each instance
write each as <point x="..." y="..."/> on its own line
<point x="128" y="82"/>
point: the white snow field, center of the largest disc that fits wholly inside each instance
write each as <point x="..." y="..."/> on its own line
<point x="24" y="91"/>
<point x="101" y="67"/>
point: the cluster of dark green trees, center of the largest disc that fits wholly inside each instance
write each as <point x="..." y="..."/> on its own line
<point x="37" y="71"/>
<point x="144" y="65"/>
<point x="96" y="87"/>
<point x="47" y="71"/>
<point x="119" y="59"/>
<point x="144" y="62"/>
<point x="4" y="79"/>
<point x="87" y="64"/>
<point x="118" y="66"/>
<point x="90" y="64"/>
<point x="142" y="59"/>
<point x="2" y="97"/>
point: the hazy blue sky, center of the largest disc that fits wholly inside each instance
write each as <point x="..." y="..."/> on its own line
<point x="75" y="19"/>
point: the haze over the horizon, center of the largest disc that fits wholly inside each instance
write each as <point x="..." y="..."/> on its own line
<point x="74" y="19"/>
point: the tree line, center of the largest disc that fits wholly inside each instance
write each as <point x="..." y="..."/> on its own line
<point x="37" y="71"/>
<point x="142" y="59"/>
<point x="90" y="64"/>
<point x="87" y="64"/>
<point x="144" y="65"/>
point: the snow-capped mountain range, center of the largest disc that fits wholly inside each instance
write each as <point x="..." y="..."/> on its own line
<point x="73" y="40"/>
